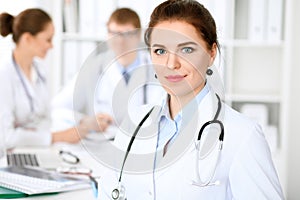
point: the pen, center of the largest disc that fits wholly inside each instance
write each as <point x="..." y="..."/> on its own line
<point x="94" y="186"/>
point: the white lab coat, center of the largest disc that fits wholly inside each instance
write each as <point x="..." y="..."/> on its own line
<point x="245" y="170"/>
<point x="20" y="124"/>
<point x="99" y="88"/>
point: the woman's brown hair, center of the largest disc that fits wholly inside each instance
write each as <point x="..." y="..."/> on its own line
<point x="33" y="21"/>
<point x="189" y="11"/>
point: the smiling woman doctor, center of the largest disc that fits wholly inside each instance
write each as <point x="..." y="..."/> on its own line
<point x="193" y="146"/>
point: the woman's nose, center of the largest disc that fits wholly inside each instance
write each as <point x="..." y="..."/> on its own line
<point x="173" y="61"/>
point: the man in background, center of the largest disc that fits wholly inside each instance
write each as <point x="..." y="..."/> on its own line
<point x="113" y="83"/>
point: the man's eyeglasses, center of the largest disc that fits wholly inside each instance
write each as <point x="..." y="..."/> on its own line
<point x="124" y="34"/>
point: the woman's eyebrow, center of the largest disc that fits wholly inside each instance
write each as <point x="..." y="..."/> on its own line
<point x="187" y="43"/>
<point x="158" y="45"/>
<point x="178" y="45"/>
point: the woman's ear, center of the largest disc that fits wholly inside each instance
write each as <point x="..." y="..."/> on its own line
<point x="213" y="54"/>
<point x="26" y="38"/>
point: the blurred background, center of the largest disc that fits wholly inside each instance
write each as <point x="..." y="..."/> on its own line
<point x="259" y="61"/>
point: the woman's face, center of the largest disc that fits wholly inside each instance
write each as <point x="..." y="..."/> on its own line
<point x="180" y="57"/>
<point x="42" y="41"/>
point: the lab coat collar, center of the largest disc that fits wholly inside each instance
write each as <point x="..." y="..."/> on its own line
<point x="36" y="77"/>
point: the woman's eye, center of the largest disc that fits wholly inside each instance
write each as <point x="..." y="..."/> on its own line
<point x="159" y="51"/>
<point x="187" y="50"/>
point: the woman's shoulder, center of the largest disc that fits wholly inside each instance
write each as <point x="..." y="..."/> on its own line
<point x="7" y="78"/>
<point x="240" y="127"/>
<point x="6" y="69"/>
<point x="233" y="116"/>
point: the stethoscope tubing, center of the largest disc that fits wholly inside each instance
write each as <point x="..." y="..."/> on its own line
<point x="120" y="190"/>
<point x="29" y="97"/>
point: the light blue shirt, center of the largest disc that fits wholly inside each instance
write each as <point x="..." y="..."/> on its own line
<point x="169" y="128"/>
<point x="136" y="63"/>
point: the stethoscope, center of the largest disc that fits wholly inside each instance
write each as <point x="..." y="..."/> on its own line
<point x="29" y="97"/>
<point x="215" y="121"/>
<point x="119" y="192"/>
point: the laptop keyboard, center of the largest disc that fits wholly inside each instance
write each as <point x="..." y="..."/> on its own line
<point x="22" y="159"/>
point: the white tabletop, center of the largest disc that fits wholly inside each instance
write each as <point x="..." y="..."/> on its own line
<point x="87" y="151"/>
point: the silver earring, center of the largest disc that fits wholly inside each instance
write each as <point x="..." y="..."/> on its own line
<point x="209" y="72"/>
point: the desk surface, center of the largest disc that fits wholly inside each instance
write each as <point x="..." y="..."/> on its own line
<point x="85" y="151"/>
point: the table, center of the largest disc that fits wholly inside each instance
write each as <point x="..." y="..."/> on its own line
<point x="84" y="151"/>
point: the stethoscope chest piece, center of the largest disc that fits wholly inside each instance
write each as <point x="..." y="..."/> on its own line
<point x="118" y="193"/>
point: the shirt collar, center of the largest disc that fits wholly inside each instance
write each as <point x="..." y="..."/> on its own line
<point x="136" y="63"/>
<point x="165" y="106"/>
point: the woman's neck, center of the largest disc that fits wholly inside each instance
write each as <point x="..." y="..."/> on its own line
<point x="24" y="61"/>
<point x="177" y="103"/>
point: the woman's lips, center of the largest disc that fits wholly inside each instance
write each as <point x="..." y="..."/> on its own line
<point x="175" y="78"/>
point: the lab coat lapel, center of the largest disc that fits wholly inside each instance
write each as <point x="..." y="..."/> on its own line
<point x="142" y="152"/>
<point x="138" y="77"/>
<point x="114" y="76"/>
<point x="37" y="90"/>
<point x="112" y="88"/>
<point x="184" y="144"/>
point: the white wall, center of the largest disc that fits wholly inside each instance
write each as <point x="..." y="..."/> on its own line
<point x="293" y="164"/>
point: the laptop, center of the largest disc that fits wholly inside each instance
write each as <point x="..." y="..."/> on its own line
<point x="44" y="158"/>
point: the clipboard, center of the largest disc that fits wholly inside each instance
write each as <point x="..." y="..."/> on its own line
<point x="6" y="193"/>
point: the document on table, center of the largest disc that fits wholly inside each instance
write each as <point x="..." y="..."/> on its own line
<point x="37" y="181"/>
